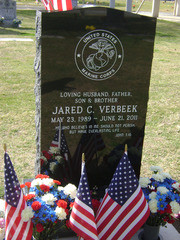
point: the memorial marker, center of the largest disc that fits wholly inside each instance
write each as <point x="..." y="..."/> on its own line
<point x="93" y="70"/>
<point x="8" y="11"/>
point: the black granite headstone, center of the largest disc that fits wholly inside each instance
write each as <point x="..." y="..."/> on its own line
<point x="95" y="66"/>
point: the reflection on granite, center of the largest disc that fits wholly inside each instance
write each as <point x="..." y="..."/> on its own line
<point x="95" y="76"/>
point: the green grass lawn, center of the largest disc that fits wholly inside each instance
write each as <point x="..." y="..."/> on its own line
<point x="17" y="100"/>
<point x="27" y="27"/>
<point x="165" y="6"/>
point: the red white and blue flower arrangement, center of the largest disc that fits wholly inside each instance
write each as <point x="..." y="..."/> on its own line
<point x="49" y="205"/>
<point x="163" y="196"/>
<point x="54" y="165"/>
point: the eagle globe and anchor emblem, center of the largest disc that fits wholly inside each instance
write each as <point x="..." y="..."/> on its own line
<point x="99" y="55"/>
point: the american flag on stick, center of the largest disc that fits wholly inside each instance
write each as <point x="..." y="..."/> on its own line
<point x="82" y="220"/>
<point x="57" y="5"/>
<point x="60" y="142"/>
<point x="16" y="228"/>
<point x="124" y="208"/>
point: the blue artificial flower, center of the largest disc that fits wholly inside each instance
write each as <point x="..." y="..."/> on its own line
<point x="170" y="195"/>
<point x="174" y="197"/>
<point x="44" y="213"/>
<point x="167" y="183"/>
<point x="52" y="216"/>
<point x="161" y="201"/>
<point x="46" y="172"/>
<point x="162" y="205"/>
<point x="32" y="189"/>
<point x="154" y="183"/>
<point x="146" y="193"/>
<point x="62" y="195"/>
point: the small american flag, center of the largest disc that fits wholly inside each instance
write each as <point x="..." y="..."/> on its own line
<point x="16" y="228"/>
<point x="60" y="141"/>
<point x="57" y="5"/>
<point x="82" y="220"/>
<point x="124" y="208"/>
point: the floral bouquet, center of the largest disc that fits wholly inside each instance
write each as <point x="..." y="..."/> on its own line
<point x="55" y="165"/>
<point x="49" y="205"/>
<point x="163" y="196"/>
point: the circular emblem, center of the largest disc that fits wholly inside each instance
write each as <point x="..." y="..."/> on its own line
<point x="99" y="55"/>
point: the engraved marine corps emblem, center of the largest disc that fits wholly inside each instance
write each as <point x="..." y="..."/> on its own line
<point x="99" y="55"/>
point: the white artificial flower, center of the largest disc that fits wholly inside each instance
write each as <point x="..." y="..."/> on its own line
<point x="54" y="150"/>
<point x="48" y="182"/>
<point x="60" y="213"/>
<point x="2" y="233"/>
<point x="58" y="158"/>
<point x="35" y="182"/>
<point x="2" y="205"/>
<point x="176" y="186"/>
<point x="144" y="181"/>
<point x="158" y="177"/>
<point x="49" y="199"/>
<point x="162" y="190"/>
<point x="166" y="175"/>
<point x="60" y="188"/>
<point x="152" y="195"/>
<point x="52" y="165"/>
<point x="27" y="214"/>
<point x="153" y="205"/>
<point x="71" y="190"/>
<point x="156" y="169"/>
<point x="32" y="192"/>
<point x="44" y="158"/>
<point x="175" y="207"/>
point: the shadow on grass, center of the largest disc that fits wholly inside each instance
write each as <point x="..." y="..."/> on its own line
<point x="17" y="31"/>
<point x="164" y="35"/>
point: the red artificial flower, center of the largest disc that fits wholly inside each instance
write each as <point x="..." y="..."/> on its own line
<point x="161" y="211"/>
<point x="57" y="182"/>
<point x="28" y="184"/>
<point x="47" y="155"/>
<point x="168" y="209"/>
<point x="22" y="185"/>
<point x="29" y="196"/>
<point x="95" y="204"/>
<point x="44" y="188"/>
<point x="71" y="205"/>
<point x="62" y="204"/>
<point x="171" y="220"/>
<point x="36" y="205"/>
<point x="41" y="176"/>
<point x="39" y="227"/>
<point x="42" y="162"/>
